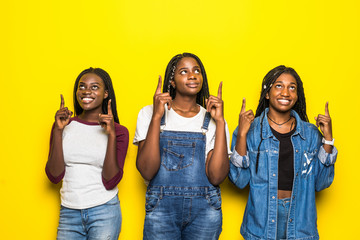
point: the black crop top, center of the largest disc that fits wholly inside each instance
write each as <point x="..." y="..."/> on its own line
<point x="286" y="160"/>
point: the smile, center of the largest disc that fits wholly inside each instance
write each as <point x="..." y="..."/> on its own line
<point x="284" y="101"/>
<point x="87" y="100"/>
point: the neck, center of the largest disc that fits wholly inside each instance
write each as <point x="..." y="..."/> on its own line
<point x="185" y="107"/>
<point x="281" y="122"/>
<point x="90" y="116"/>
<point x="279" y="117"/>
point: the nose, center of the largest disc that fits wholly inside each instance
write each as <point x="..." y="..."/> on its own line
<point x="86" y="91"/>
<point x="192" y="75"/>
<point x="285" y="92"/>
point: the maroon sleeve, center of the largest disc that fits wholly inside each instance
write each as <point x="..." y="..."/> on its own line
<point x="48" y="174"/>
<point x="122" y="142"/>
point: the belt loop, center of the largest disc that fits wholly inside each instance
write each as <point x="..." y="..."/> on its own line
<point x="161" y="192"/>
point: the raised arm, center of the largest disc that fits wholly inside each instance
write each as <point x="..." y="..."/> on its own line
<point x="55" y="165"/>
<point x="239" y="161"/>
<point x="217" y="163"/>
<point x="148" y="157"/>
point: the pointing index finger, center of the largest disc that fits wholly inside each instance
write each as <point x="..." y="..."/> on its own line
<point x="219" y="95"/>
<point x="327" y="109"/>
<point x="109" y="107"/>
<point x="243" y="106"/>
<point x="158" y="88"/>
<point x="62" y="103"/>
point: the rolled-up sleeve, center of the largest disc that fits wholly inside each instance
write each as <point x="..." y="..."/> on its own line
<point x="327" y="158"/>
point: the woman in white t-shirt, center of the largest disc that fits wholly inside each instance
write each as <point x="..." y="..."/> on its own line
<point x="183" y="153"/>
<point x="88" y="152"/>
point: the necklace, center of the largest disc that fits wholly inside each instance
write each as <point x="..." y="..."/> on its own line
<point x="279" y="124"/>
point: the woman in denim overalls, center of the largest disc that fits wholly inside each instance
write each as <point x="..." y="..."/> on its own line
<point x="180" y="156"/>
<point x="283" y="158"/>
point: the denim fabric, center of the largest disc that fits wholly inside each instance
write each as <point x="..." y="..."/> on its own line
<point x="96" y="223"/>
<point x="282" y="217"/>
<point x="313" y="171"/>
<point x="181" y="203"/>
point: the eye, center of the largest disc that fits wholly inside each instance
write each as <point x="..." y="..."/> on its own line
<point x="197" y="70"/>
<point x="278" y="86"/>
<point x="292" y="87"/>
<point x="182" y="72"/>
<point x="81" y="87"/>
<point x="94" y="87"/>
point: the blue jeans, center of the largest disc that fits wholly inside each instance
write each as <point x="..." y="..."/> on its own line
<point x="282" y="218"/>
<point x="96" y="223"/>
<point x="183" y="216"/>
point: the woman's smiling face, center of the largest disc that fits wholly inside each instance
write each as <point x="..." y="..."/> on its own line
<point x="283" y="93"/>
<point x="91" y="92"/>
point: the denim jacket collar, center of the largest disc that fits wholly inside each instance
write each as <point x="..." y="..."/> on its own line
<point x="267" y="133"/>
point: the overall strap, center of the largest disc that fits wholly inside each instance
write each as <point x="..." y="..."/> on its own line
<point x="206" y="122"/>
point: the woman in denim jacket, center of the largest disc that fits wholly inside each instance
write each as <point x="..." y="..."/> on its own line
<point x="283" y="158"/>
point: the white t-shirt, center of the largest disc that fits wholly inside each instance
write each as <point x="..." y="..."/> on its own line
<point x="84" y="148"/>
<point x="175" y="122"/>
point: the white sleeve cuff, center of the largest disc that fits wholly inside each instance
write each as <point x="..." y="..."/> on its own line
<point x="240" y="161"/>
<point x="327" y="158"/>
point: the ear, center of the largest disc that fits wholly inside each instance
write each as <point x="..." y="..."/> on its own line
<point x="106" y="94"/>
<point x="172" y="82"/>
<point x="267" y="95"/>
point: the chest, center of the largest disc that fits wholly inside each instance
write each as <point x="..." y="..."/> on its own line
<point x="83" y="144"/>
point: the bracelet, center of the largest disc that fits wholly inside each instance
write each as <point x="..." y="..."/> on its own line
<point x="328" y="142"/>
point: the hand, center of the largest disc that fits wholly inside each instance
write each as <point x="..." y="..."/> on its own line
<point x="215" y="105"/>
<point x="324" y="122"/>
<point x="62" y="116"/>
<point x="245" y="119"/>
<point x="159" y="101"/>
<point x="107" y="120"/>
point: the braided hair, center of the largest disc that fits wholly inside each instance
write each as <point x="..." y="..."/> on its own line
<point x="170" y="73"/>
<point x="108" y="87"/>
<point x="268" y="81"/>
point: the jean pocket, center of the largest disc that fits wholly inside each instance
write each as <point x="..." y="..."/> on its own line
<point x="214" y="200"/>
<point x="178" y="155"/>
<point x="152" y="201"/>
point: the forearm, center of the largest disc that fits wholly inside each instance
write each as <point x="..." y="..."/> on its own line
<point x="218" y="161"/>
<point x="148" y="157"/>
<point x="110" y="167"/>
<point x="55" y="164"/>
<point x="240" y="145"/>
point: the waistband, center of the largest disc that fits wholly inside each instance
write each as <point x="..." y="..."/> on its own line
<point x="183" y="191"/>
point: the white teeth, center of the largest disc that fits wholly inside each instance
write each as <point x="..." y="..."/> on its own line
<point x="87" y="100"/>
<point x="283" y="100"/>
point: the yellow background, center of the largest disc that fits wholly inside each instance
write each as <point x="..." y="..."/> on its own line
<point x="46" y="44"/>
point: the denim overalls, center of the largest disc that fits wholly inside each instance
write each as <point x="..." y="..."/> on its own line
<point x="181" y="203"/>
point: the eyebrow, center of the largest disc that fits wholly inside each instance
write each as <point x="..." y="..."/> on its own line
<point x="188" y="68"/>
<point x="279" y="81"/>
<point x="92" y="83"/>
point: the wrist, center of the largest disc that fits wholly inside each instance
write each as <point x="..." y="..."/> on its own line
<point x="328" y="142"/>
<point x="220" y="121"/>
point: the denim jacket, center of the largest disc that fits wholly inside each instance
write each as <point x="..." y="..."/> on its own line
<point x="313" y="171"/>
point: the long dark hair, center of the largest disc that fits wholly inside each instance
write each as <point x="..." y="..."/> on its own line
<point x="268" y="81"/>
<point x="108" y="86"/>
<point x="170" y="72"/>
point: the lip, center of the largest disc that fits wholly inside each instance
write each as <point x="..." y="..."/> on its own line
<point x="87" y="99"/>
<point x="284" y="102"/>
<point x="192" y="85"/>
